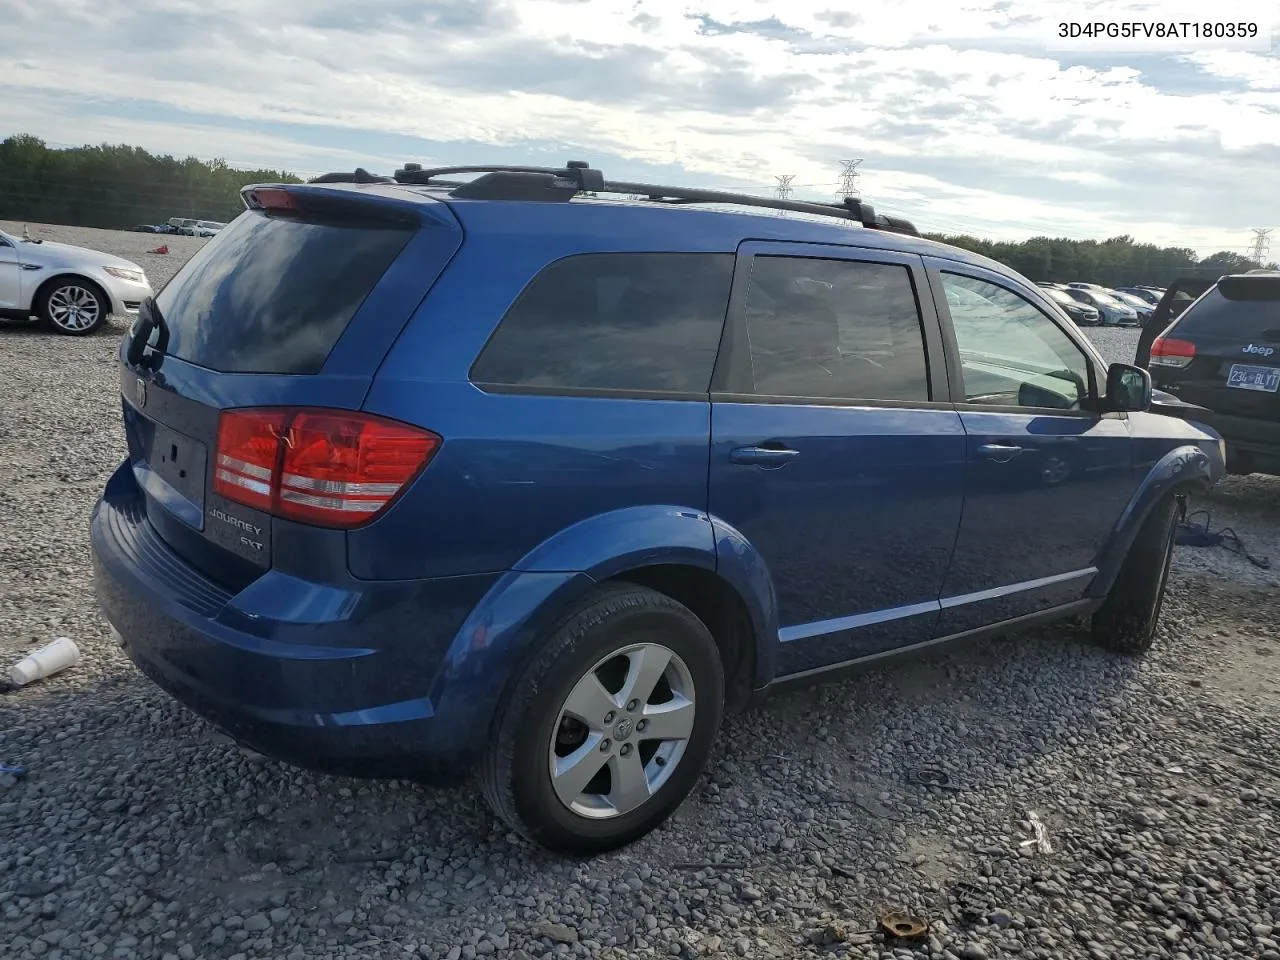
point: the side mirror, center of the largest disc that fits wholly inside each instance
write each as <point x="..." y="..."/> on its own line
<point x="1128" y="387"/>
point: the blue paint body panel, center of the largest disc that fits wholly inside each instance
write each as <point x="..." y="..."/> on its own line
<point x="1072" y="480"/>
<point x="386" y="650"/>
<point x="859" y="527"/>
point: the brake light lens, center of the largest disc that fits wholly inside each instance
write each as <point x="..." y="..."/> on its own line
<point x="323" y="467"/>
<point x="274" y="199"/>
<point x="1169" y="352"/>
<point x="248" y="455"/>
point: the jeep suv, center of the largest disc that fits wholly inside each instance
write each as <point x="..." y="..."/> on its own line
<point x="1223" y="352"/>
<point x="506" y="470"/>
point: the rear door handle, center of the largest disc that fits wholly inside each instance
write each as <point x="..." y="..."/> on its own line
<point x="763" y="456"/>
<point x="999" y="452"/>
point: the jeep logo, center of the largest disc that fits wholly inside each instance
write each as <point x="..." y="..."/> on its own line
<point x="1258" y="351"/>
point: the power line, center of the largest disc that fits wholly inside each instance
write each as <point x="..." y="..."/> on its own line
<point x="848" y="179"/>
<point x="1260" y="247"/>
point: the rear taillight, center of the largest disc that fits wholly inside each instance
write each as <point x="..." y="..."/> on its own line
<point x="249" y="455"/>
<point x="324" y="467"/>
<point x="1168" y="352"/>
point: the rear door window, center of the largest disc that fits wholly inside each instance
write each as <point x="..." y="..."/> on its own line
<point x="272" y="294"/>
<point x="630" y="322"/>
<point x="835" y="330"/>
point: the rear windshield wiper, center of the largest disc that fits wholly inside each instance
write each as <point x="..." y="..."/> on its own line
<point x="150" y="320"/>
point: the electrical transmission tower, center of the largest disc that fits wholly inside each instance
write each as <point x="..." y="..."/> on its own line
<point x="848" y="179"/>
<point x="783" y="192"/>
<point x="1261" y="246"/>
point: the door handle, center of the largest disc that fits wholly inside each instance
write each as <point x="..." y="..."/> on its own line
<point x="999" y="452"/>
<point x="763" y="456"/>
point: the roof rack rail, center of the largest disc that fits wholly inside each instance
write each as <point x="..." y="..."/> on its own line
<point x="551" y="184"/>
<point x="359" y="175"/>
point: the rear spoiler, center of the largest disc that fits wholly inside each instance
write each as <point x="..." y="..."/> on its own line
<point x="1251" y="286"/>
<point x="306" y="201"/>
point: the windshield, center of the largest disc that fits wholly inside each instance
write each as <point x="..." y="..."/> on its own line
<point x="1062" y="297"/>
<point x="1103" y="299"/>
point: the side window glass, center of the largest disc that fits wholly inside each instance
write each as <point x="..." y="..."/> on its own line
<point x="1011" y="354"/>
<point x="616" y="321"/>
<point x="835" y="329"/>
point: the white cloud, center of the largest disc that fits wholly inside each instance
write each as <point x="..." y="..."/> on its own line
<point x="964" y="115"/>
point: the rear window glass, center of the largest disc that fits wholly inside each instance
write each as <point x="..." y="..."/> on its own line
<point x="274" y="294"/>
<point x="1216" y="316"/>
<point x="615" y="321"/>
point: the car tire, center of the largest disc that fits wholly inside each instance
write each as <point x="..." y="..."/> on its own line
<point x="1127" y="620"/>
<point x="621" y="634"/>
<point x="73" y="307"/>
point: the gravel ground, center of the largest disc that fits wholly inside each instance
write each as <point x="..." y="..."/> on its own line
<point x="141" y="833"/>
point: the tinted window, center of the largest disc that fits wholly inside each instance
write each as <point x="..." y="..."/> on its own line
<point x="616" y="321"/>
<point x="274" y="294"/>
<point x="1216" y="316"/>
<point x="835" y="329"/>
<point x="1011" y="354"/>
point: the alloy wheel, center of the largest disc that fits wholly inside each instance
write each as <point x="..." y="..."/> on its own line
<point x="622" y="731"/>
<point x="74" y="308"/>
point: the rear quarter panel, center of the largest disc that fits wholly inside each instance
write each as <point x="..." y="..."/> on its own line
<point x="515" y="469"/>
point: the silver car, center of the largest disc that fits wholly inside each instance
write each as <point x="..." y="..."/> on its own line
<point x="71" y="289"/>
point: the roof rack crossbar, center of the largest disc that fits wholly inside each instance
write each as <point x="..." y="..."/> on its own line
<point x="578" y="172"/>
<point x="577" y="176"/>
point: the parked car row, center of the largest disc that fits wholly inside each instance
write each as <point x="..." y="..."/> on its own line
<point x="1125" y="307"/>
<point x="182" y="226"/>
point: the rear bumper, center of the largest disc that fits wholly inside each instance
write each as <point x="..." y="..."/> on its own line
<point x="342" y="680"/>
<point x="1252" y="444"/>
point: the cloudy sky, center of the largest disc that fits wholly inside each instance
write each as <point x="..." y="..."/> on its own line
<point x="968" y="116"/>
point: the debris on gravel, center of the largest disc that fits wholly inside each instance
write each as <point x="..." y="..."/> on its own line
<point x="139" y="832"/>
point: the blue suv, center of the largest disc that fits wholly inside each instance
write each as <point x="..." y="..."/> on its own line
<point x="527" y="473"/>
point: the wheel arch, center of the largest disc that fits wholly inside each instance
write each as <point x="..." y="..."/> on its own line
<point x="721" y="609"/>
<point x="1185" y="469"/>
<point x="48" y="283"/>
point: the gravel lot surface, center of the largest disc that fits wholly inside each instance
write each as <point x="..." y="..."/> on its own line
<point x="139" y="832"/>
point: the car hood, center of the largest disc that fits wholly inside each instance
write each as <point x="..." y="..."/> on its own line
<point x="53" y="254"/>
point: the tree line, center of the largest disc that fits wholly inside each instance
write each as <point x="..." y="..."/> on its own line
<point x="1117" y="262"/>
<point x="118" y="186"/>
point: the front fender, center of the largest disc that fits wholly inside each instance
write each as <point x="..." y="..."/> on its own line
<point x="1187" y="467"/>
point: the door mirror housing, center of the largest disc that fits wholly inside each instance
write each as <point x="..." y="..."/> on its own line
<point x="1128" y="388"/>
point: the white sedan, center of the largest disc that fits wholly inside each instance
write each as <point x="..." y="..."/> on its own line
<point x="71" y="289"/>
